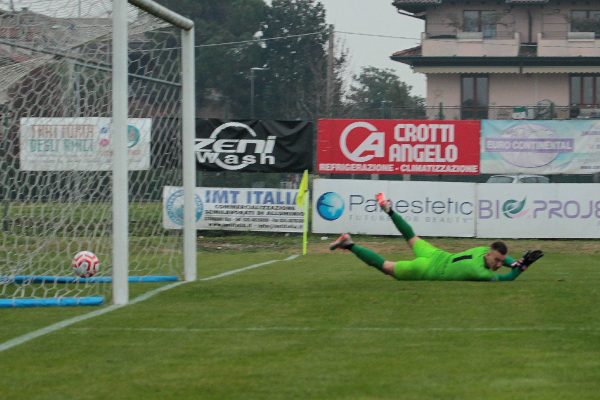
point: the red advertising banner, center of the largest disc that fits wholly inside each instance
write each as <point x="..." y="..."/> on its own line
<point x="351" y="146"/>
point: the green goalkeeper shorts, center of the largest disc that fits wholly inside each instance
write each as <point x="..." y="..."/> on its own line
<point x="421" y="267"/>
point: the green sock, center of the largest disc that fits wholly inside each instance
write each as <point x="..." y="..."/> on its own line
<point x="403" y="226"/>
<point x="368" y="256"/>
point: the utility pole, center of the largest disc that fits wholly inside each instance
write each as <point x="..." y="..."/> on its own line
<point x="386" y="109"/>
<point x="252" y="88"/>
<point x="330" y="88"/>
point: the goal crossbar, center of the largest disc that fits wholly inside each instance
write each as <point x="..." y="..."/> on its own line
<point x="151" y="7"/>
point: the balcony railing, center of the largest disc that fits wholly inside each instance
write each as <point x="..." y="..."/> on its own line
<point x="509" y="112"/>
<point x="446" y="43"/>
<point x="453" y="34"/>
<point x="454" y="112"/>
<point x="568" y="44"/>
<point x="470" y="44"/>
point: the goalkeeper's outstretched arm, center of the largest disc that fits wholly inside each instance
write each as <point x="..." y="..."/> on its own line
<point x="519" y="265"/>
<point x="509" y="276"/>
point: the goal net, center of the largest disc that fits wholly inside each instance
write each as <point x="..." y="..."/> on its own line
<point x="56" y="172"/>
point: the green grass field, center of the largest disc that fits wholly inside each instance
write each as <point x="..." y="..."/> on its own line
<point x="324" y="326"/>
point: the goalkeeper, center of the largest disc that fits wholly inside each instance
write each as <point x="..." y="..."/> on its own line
<point x="431" y="263"/>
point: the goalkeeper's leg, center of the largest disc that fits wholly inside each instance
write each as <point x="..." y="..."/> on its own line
<point x="403" y="227"/>
<point x="402" y="270"/>
<point x="420" y="247"/>
<point x="366" y="255"/>
<point x="413" y="270"/>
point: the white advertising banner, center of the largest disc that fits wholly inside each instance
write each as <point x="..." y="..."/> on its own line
<point x="432" y="208"/>
<point x="540" y="147"/>
<point x="236" y="209"/>
<point x="566" y="210"/>
<point x="80" y="144"/>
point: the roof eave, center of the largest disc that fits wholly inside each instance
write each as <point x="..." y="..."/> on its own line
<point x="420" y="61"/>
<point x="419" y="6"/>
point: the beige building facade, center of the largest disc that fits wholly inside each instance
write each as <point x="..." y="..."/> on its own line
<point x="503" y="59"/>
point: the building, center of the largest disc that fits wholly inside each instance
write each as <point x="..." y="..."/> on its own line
<point x="503" y="59"/>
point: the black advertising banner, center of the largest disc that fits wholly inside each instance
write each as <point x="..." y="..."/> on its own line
<point x="253" y="145"/>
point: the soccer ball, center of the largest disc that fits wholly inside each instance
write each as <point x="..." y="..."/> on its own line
<point x="85" y="264"/>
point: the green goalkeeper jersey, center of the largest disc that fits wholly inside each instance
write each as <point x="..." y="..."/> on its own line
<point x="468" y="265"/>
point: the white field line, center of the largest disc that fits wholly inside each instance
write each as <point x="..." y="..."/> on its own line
<point x="68" y="322"/>
<point x="235" y="271"/>
<point x="349" y="329"/>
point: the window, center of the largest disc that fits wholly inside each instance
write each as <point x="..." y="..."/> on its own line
<point x="585" y="90"/>
<point x="518" y="179"/>
<point x="534" y="179"/>
<point x="500" y="179"/>
<point x="585" y="21"/>
<point x="480" y="21"/>
<point x="474" y="97"/>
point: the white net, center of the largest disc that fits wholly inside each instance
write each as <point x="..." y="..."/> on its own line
<point x="55" y="177"/>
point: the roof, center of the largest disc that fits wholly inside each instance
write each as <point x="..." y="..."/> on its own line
<point x="527" y="1"/>
<point x="412" y="52"/>
<point x="398" y="2"/>
<point x="435" y="2"/>
<point x="418" y="6"/>
<point x="414" y="58"/>
<point x="415" y="6"/>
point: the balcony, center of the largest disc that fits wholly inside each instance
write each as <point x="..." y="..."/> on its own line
<point x="508" y="112"/>
<point x="470" y="44"/>
<point x="568" y="44"/>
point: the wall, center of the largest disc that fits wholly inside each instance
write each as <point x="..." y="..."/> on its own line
<point x="528" y="89"/>
<point x="443" y="88"/>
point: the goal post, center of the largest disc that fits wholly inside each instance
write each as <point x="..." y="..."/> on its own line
<point x="120" y="183"/>
<point x="120" y="188"/>
<point x="73" y="74"/>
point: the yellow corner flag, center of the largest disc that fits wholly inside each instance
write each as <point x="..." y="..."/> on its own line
<point x="302" y="189"/>
<point x="302" y="202"/>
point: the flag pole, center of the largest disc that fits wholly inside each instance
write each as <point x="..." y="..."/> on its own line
<point x="302" y="202"/>
<point x="305" y="234"/>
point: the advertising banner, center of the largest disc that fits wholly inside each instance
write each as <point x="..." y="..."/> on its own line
<point x="432" y="208"/>
<point x="349" y="146"/>
<point x="80" y="144"/>
<point x="253" y="145"/>
<point x="540" y="147"/>
<point x="267" y="210"/>
<point x="566" y="210"/>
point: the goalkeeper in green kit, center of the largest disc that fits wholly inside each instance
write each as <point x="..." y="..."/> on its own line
<point x="431" y="263"/>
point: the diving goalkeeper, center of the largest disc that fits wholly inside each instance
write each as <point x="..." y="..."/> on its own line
<point x="431" y="263"/>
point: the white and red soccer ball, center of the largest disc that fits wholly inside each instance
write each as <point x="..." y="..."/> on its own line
<point x="85" y="264"/>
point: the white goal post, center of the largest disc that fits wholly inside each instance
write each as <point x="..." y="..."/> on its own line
<point x="97" y="117"/>
<point x="120" y="107"/>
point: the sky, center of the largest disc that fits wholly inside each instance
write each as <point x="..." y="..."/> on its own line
<point x="61" y="8"/>
<point x="383" y="30"/>
<point x="376" y="17"/>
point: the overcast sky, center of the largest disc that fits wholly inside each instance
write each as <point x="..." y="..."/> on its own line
<point x="376" y="17"/>
<point x="368" y="17"/>
<point x="61" y="8"/>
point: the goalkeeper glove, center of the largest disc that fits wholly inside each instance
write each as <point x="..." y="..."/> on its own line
<point x="528" y="258"/>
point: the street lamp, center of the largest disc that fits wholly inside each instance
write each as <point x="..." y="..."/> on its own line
<point x="252" y="88"/>
<point x="385" y="107"/>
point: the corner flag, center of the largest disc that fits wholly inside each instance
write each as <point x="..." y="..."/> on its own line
<point x="302" y="202"/>
<point x="302" y="189"/>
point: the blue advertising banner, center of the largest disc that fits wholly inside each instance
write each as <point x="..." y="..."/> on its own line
<point x="236" y="209"/>
<point x="432" y="209"/>
<point x="540" y="147"/>
<point x="459" y="209"/>
<point x="563" y="210"/>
